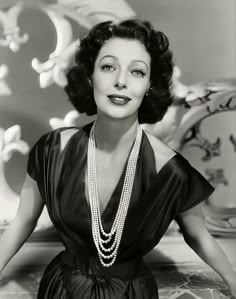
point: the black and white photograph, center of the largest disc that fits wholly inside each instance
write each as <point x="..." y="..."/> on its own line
<point x="117" y="149"/>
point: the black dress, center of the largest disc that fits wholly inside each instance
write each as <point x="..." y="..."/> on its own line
<point x="157" y="198"/>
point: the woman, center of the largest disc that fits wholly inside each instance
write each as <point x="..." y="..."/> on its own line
<point x="112" y="189"/>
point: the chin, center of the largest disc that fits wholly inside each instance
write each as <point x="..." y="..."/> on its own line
<point x="118" y="112"/>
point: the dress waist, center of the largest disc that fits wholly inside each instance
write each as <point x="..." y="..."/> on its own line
<point x="91" y="265"/>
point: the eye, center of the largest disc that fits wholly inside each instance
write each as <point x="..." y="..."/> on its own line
<point x="138" y="73"/>
<point x="107" y="68"/>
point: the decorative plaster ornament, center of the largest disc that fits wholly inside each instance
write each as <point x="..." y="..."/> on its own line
<point x="10" y="142"/>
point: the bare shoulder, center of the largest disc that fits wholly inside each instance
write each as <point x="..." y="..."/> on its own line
<point x="66" y="135"/>
<point x="162" y="152"/>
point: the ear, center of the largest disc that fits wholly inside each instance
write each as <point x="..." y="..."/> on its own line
<point x="149" y="87"/>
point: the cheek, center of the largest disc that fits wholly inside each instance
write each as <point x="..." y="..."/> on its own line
<point x="101" y="83"/>
<point x="140" y="91"/>
<point x="99" y="89"/>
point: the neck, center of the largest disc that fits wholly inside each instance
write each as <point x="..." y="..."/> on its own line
<point x="115" y="134"/>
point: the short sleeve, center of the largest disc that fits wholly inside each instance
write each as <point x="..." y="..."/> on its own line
<point x="197" y="189"/>
<point x="37" y="156"/>
<point x="44" y="154"/>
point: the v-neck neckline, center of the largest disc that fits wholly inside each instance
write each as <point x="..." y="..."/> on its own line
<point x="112" y="205"/>
<point x="113" y="201"/>
<point x="108" y="214"/>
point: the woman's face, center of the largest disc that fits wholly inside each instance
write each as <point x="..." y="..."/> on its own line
<point x="121" y="77"/>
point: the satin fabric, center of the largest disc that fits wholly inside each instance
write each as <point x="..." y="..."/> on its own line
<point x="157" y="198"/>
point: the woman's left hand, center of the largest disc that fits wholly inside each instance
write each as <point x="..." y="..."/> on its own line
<point x="233" y="291"/>
<point x="232" y="285"/>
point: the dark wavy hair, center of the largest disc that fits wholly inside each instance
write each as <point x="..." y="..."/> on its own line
<point x="158" y="99"/>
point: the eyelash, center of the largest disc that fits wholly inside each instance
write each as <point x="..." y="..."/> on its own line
<point x="108" y="67"/>
<point x="139" y="72"/>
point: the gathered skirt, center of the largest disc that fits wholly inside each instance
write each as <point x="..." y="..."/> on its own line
<point x="74" y="277"/>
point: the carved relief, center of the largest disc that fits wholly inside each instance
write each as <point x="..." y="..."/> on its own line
<point x="53" y="70"/>
<point x="68" y="121"/>
<point x="195" y="139"/>
<point x="4" y="88"/>
<point x="10" y="142"/>
<point x="216" y="176"/>
<point x="11" y="30"/>
<point x="85" y="12"/>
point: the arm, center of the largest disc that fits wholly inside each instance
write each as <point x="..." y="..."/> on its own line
<point x="23" y="224"/>
<point x="191" y="223"/>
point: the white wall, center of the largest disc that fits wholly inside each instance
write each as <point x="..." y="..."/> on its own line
<point x="202" y="34"/>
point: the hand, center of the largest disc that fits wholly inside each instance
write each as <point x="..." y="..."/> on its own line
<point x="232" y="285"/>
<point x="233" y="291"/>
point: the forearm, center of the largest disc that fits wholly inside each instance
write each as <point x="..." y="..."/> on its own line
<point x="210" y="252"/>
<point x="13" y="238"/>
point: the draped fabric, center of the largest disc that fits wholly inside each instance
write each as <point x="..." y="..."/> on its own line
<point x="157" y="198"/>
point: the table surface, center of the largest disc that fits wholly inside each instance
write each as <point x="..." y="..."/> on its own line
<point x="178" y="270"/>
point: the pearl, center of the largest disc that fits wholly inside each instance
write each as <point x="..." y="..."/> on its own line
<point x="101" y="237"/>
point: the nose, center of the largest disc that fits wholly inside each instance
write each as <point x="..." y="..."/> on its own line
<point x="120" y="82"/>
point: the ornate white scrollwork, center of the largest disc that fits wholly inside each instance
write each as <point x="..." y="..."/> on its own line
<point x="53" y="70"/>
<point x="91" y="12"/>
<point x="88" y="13"/>
<point x="68" y="121"/>
<point x="9" y="21"/>
<point x="4" y="88"/>
<point x="211" y="149"/>
<point x="84" y="12"/>
<point x="207" y="99"/>
<point x="10" y="141"/>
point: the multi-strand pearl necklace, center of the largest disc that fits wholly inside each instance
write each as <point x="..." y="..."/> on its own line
<point x="107" y="244"/>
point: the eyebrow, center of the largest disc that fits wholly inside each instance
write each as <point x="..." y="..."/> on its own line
<point x="135" y="60"/>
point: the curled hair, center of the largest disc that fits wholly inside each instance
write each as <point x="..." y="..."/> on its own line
<point x="158" y="99"/>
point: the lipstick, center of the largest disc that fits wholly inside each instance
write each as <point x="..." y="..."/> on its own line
<point x="119" y="99"/>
